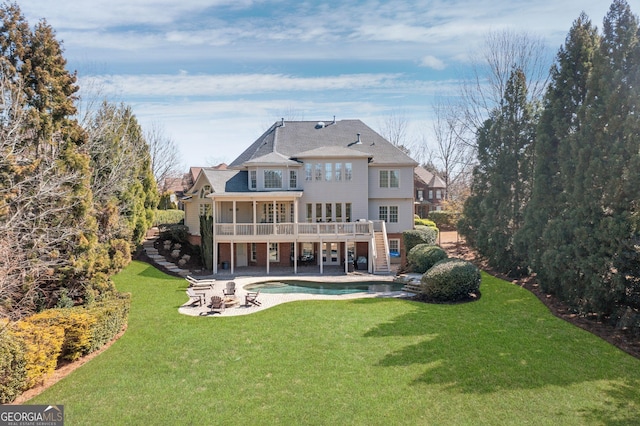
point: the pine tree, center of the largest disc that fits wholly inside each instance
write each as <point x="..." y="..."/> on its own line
<point x="606" y="185"/>
<point x="544" y="237"/>
<point x="502" y="180"/>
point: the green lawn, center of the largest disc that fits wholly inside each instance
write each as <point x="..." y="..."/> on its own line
<point x="501" y="360"/>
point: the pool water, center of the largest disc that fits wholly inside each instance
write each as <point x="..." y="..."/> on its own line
<point x="310" y="287"/>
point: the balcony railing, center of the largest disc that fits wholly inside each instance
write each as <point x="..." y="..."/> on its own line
<point x="319" y="229"/>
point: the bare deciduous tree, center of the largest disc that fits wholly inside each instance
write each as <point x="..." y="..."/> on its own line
<point x="165" y="156"/>
<point x="394" y="128"/>
<point x="483" y="91"/>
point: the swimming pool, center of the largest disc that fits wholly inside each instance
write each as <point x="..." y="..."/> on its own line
<point x="311" y="287"/>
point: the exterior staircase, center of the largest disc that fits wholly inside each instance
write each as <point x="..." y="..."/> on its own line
<point x="382" y="259"/>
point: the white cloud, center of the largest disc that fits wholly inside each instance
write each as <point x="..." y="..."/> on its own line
<point x="185" y="85"/>
<point x="432" y="62"/>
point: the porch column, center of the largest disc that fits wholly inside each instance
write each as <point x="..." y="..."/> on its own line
<point x="295" y="257"/>
<point x="320" y="257"/>
<point x="255" y="231"/>
<point x="214" y="251"/>
<point x="275" y="217"/>
<point x="235" y="231"/>
<point x="268" y="256"/>
<point x="232" y="262"/>
<point x="346" y="257"/>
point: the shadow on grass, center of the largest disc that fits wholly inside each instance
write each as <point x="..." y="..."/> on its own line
<point x="476" y="350"/>
<point x="152" y="272"/>
<point x="622" y="406"/>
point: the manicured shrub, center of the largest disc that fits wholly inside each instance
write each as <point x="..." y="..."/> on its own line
<point x="168" y="217"/>
<point x="42" y="347"/>
<point x="77" y="325"/>
<point x="450" y="280"/>
<point x="420" y="235"/>
<point x="424" y="222"/>
<point x="423" y="256"/>
<point x="175" y="233"/>
<point x="111" y="317"/>
<point x="13" y="373"/>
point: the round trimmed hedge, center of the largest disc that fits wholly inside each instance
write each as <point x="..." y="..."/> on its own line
<point x="423" y="256"/>
<point x="420" y="235"/>
<point x="450" y="280"/>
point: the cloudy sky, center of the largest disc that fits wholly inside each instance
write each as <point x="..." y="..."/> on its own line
<point x="214" y="74"/>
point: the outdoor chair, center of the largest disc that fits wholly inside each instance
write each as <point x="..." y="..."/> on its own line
<point x="217" y="305"/>
<point x="206" y="284"/>
<point x="230" y="290"/>
<point x="251" y="298"/>
<point x="195" y="297"/>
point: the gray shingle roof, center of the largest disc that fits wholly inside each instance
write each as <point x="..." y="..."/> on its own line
<point x="300" y="138"/>
<point x="227" y="180"/>
<point x="429" y="178"/>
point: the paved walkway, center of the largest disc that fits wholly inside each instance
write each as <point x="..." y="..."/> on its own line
<point x="268" y="300"/>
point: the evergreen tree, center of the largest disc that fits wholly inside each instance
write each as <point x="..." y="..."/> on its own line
<point x="122" y="181"/>
<point x="606" y="185"/>
<point x="544" y="236"/>
<point x="502" y="180"/>
<point x="45" y="199"/>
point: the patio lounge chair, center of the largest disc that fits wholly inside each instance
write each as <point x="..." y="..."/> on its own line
<point x="217" y="305"/>
<point x="251" y="298"/>
<point x="195" y="297"/>
<point x="206" y="284"/>
<point x="230" y="290"/>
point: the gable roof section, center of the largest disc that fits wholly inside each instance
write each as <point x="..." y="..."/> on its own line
<point x="429" y="178"/>
<point x="272" y="159"/>
<point x="227" y="180"/>
<point x="295" y="139"/>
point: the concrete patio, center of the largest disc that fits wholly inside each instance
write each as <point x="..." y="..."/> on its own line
<point x="268" y="300"/>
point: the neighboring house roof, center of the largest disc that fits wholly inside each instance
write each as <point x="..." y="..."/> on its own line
<point x="297" y="139"/>
<point x="428" y="178"/>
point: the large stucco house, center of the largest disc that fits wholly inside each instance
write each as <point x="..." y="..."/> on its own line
<point x="307" y="195"/>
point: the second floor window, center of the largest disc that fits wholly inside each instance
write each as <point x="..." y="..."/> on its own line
<point x="420" y="194"/>
<point x="318" y="171"/>
<point x="273" y="179"/>
<point x="328" y="172"/>
<point x="308" y="172"/>
<point x="253" y="179"/>
<point x="293" y="179"/>
<point x="389" y="178"/>
<point x="388" y="214"/>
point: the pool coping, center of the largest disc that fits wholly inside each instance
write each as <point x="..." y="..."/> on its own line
<point x="269" y="300"/>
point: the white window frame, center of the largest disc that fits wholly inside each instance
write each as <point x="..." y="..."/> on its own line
<point x="276" y="248"/>
<point x="348" y="171"/>
<point x="338" y="169"/>
<point x="308" y="172"/>
<point x="253" y="179"/>
<point x="272" y="177"/>
<point x="389" y="178"/>
<point x="254" y="252"/>
<point x="293" y="179"/>
<point x="394" y="243"/>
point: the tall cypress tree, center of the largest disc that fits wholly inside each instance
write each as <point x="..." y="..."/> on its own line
<point x="544" y="236"/>
<point x="606" y="186"/>
<point x="494" y="213"/>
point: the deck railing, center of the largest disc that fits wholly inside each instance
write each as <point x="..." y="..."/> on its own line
<point x="262" y="229"/>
